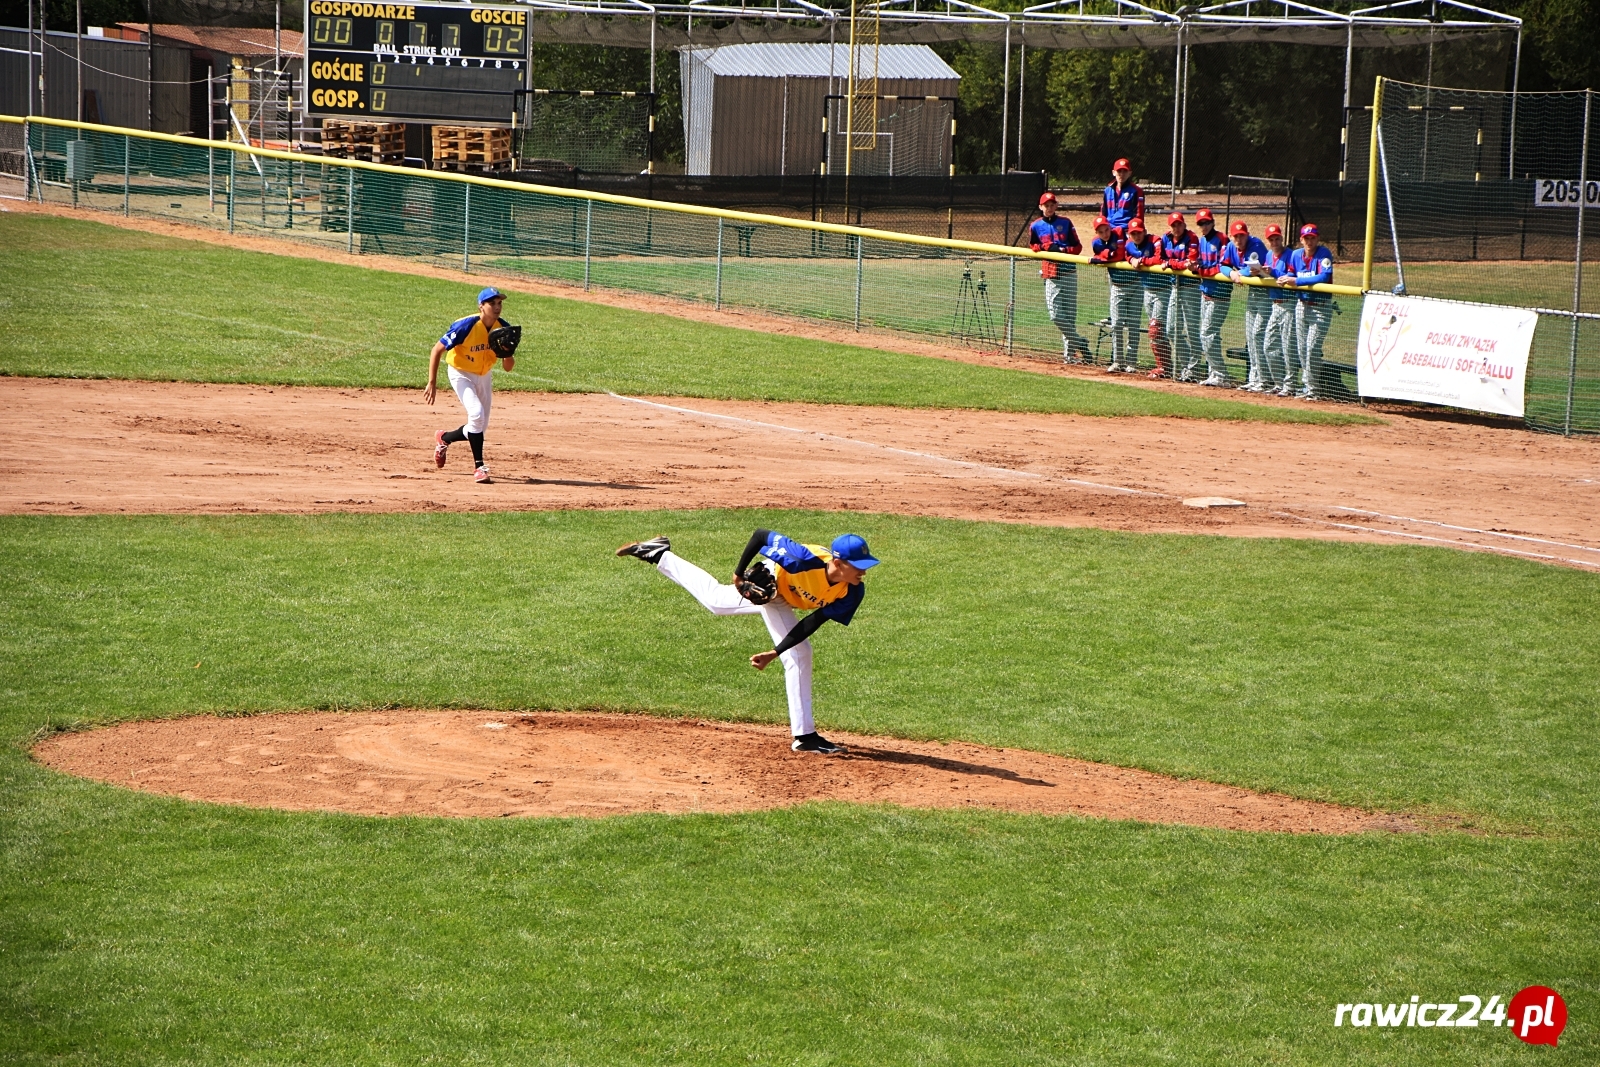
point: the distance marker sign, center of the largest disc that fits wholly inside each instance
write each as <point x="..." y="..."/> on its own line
<point x="450" y="63"/>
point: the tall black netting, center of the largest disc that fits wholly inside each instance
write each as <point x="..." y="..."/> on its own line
<point x="595" y="132"/>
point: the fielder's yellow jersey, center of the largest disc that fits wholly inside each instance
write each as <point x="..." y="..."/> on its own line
<point x="468" y="343"/>
<point x="802" y="572"/>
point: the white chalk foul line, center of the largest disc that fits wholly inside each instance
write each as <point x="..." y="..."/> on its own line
<point x="1438" y="540"/>
<point x="1464" y="529"/>
<point x="882" y="448"/>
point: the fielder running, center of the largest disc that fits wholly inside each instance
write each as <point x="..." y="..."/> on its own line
<point x="787" y="576"/>
<point x="474" y="343"/>
<point x="1055" y="233"/>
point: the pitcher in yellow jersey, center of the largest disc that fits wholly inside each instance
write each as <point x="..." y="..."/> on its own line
<point x="471" y="363"/>
<point x="824" y="581"/>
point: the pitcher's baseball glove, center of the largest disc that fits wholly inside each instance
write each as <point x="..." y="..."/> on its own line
<point x="759" y="585"/>
<point x="503" y="340"/>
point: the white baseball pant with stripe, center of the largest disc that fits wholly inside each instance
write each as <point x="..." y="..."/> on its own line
<point x="722" y="599"/>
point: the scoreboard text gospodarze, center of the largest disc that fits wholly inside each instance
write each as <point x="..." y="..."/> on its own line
<point x="452" y="63"/>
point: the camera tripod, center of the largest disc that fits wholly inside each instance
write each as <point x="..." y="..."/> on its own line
<point x="974" y="321"/>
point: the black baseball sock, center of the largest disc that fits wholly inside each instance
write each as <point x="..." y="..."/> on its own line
<point x="476" y="441"/>
<point x="452" y="436"/>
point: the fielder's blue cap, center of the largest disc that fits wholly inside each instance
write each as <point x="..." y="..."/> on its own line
<point x="491" y="293"/>
<point x="852" y="548"/>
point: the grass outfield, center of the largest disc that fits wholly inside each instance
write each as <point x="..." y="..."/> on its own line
<point x="152" y="307"/>
<point x="140" y="929"/>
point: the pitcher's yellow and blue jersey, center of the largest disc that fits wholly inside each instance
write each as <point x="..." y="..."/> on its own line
<point x="468" y="343"/>
<point x="802" y="572"/>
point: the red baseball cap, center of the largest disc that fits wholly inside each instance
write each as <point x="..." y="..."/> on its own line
<point x="1176" y="216"/>
<point x="1047" y="198"/>
<point x="1204" y="215"/>
<point x="1101" y="220"/>
<point x="1308" y="230"/>
<point x="1238" y="228"/>
<point x="1121" y="164"/>
<point x="1136" y="226"/>
<point x="1274" y="230"/>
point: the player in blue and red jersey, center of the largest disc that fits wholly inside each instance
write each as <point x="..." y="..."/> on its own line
<point x="1180" y="250"/>
<point x="1124" y="201"/>
<point x="1127" y="298"/>
<point x="1216" y="297"/>
<point x="1242" y="260"/>
<point x="1279" y="348"/>
<point x="1143" y="252"/>
<point x="1310" y="264"/>
<point x="1054" y="233"/>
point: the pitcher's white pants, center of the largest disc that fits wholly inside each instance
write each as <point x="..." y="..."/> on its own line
<point x="476" y="393"/>
<point x="722" y="599"/>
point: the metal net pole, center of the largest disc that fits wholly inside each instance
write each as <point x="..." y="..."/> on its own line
<point x="1577" y="268"/>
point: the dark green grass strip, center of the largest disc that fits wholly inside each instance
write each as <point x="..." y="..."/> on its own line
<point x="149" y="307"/>
<point x="136" y="929"/>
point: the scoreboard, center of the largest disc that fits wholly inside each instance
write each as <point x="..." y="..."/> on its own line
<point x="448" y="63"/>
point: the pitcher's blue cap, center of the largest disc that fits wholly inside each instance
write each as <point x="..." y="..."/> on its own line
<point x="852" y="548"/>
<point x="490" y="293"/>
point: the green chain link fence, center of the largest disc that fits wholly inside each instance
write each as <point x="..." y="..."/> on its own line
<point x="980" y="296"/>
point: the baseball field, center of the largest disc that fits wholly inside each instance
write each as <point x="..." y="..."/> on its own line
<point x="1126" y="782"/>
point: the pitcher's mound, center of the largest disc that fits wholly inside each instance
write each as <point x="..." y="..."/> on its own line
<point x="492" y="764"/>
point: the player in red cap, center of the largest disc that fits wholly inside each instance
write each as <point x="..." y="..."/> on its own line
<point x="1216" y="297"/>
<point x="1310" y="264"/>
<point x="1124" y="201"/>
<point x="1279" y="348"/>
<point x="1127" y="298"/>
<point x="1180" y="250"/>
<point x="1242" y="259"/>
<point x="1054" y="233"/>
<point x="1143" y="252"/>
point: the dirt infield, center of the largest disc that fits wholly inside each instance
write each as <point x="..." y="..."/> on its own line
<point x="489" y="764"/>
<point x="142" y="447"/>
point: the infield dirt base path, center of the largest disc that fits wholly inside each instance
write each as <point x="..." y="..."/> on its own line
<point x="156" y="447"/>
<point x="486" y="764"/>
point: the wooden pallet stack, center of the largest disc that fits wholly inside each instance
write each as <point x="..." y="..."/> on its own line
<point x="377" y="142"/>
<point x="471" y="148"/>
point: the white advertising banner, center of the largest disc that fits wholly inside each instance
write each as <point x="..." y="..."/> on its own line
<point x="1442" y="352"/>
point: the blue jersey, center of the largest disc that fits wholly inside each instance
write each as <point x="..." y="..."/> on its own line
<point x="803" y="582"/>
<point x="1181" y="253"/>
<point x="1313" y="269"/>
<point x="1054" y="235"/>
<point x="1234" y="261"/>
<point x="1122" y="205"/>
<point x="1208" y="263"/>
<point x="1146" y="254"/>
<point x="1277" y="266"/>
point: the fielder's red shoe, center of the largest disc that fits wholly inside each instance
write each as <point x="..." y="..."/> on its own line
<point x="439" y="448"/>
<point x="481" y="475"/>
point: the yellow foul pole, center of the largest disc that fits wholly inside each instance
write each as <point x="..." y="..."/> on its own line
<point x="1372" y="186"/>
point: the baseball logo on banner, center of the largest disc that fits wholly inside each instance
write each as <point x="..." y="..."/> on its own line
<point x="1442" y="352"/>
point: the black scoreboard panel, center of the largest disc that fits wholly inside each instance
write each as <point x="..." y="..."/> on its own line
<point x="432" y="62"/>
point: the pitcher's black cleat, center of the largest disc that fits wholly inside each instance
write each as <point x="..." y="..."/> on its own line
<point x="815" y="742"/>
<point x="650" y="551"/>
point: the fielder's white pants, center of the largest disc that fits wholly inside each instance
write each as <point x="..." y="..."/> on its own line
<point x="1213" y="313"/>
<point x="1183" y="325"/>
<point x="1281" y="350"/>
<point x="475" y="391"/>
<point x="1311" y="322"/>
<point x="1061" y="301"/>
<point x="722" y="599"/>
<point x="1257" y="310"/>
<point x="1127" y="323"/>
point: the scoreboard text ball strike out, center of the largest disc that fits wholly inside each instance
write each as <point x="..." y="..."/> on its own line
<point x="429" y="62"/>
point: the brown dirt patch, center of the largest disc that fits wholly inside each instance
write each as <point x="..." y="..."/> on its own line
<point x="146" y="447"/>
<point x="491" y="764"/>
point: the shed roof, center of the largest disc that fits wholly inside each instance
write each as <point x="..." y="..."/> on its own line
<point x="909" y="61"/>
<point x="227" y="40"/>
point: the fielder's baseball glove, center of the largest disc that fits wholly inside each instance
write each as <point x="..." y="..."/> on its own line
<point x="759" y="586"/>
<point x="503" y="340"/>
